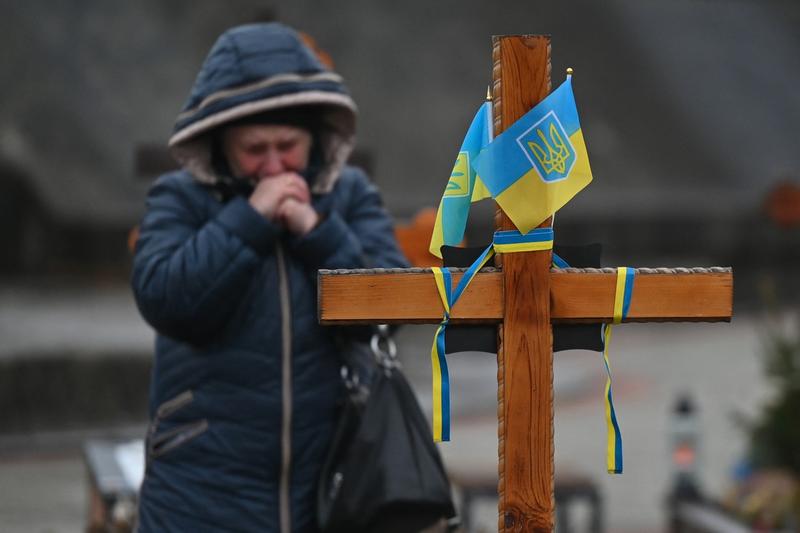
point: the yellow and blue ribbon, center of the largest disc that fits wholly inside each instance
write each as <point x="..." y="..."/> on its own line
<point x="513" y="241"/>
<point x="441" y="376"/>
<point x="622" y="302"/>
<point x="503" y="242"/>
<point x="506" y="242"/>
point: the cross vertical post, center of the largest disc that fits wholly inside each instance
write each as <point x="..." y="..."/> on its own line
<point x="521" y="79"/>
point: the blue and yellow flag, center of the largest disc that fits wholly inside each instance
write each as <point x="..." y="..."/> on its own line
<point x="539" y="163"/>
<point x="461" y="190"/>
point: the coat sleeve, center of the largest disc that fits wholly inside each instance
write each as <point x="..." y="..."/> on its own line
<point x="190" y="271"/>
<point x="358" y="234"/>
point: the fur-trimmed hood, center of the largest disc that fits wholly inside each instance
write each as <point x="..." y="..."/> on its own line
<point x="256" y="68"/>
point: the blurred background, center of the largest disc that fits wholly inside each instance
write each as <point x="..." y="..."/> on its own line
<point x="690" y="113"/>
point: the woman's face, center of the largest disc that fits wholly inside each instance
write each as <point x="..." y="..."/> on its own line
<point x="259" y="151"/>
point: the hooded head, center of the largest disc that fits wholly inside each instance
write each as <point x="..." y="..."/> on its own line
<point x="264" y="73"/>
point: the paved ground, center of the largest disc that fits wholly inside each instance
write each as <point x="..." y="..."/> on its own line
<point x="42" y="494"/>
<point x="42" y="479"/>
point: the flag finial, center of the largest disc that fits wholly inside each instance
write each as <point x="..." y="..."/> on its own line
<point x="569" y="71"/>
<point x="488" y="93"/>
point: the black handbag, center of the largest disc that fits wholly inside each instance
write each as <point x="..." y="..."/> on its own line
<point x="383" y="473"/>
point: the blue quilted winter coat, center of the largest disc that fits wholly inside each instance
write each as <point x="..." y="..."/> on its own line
<point x="245" y="381"/>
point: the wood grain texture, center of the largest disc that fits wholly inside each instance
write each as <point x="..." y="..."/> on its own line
<point x="695" y="297"/>
<point x="497" y="126"/>
<point x="521" y="78"/>
<point x="574" y="298"/>
<point x="406" y="298"/>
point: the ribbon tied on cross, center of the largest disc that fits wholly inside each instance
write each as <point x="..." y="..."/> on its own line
<point x="531" y="170"/>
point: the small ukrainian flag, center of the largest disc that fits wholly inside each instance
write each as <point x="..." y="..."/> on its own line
<point x="539" y="163"/>
<point x="464" y="186"/>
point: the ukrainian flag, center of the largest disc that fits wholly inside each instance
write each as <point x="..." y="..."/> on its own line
<point x="464" y="186"/>
<point x="539" y="163"/>
<point x="480" y="192"/>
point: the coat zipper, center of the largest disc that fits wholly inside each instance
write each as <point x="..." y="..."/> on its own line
<point x="286" y="381"/>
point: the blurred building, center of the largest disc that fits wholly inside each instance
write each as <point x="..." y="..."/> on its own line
<point x="688" y="107"/>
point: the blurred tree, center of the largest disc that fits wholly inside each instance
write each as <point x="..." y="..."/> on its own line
<point x="775" y="434"/>
<point x="766" y="494"/>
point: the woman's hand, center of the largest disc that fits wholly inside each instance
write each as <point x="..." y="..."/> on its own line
<point x="298" y="217"/>
<point x="272" y="191"/>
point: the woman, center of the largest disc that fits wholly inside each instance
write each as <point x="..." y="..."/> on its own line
<point x="245" y="381"/>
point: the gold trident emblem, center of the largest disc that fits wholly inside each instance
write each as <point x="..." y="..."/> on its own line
<point x="554" y="159"/>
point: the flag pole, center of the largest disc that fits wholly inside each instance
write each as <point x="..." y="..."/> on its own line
<point x="553" y="216"/>
<point x="489" y="118"/>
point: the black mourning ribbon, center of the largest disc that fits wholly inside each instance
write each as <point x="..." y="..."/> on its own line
<point x="483" y="338"/>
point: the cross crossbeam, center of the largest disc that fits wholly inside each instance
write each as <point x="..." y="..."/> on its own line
<point x="409" y="296"/>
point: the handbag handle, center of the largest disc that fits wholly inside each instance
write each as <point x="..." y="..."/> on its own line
<point x="384" y="349"/>
<point x="362" y="359"/>
<point x="382" y="343"/>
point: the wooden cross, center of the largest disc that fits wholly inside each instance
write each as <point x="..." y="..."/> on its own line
<point x="524" y="297"/>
